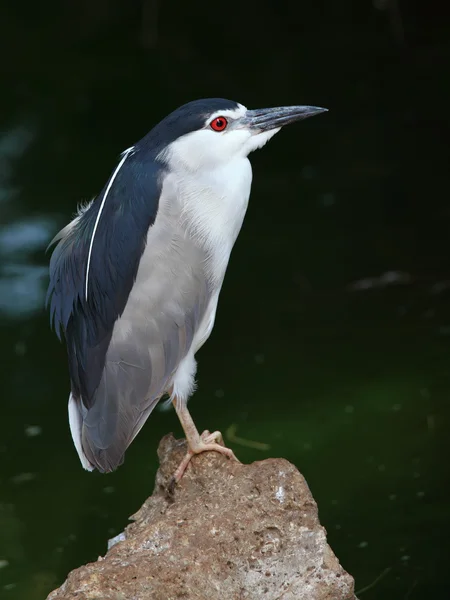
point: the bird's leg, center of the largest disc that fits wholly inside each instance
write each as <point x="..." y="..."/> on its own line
<point x="197" y="443"/>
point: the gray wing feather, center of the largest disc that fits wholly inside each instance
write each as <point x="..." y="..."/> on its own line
<point x="155" y="332"/>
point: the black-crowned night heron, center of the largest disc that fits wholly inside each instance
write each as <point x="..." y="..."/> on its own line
<point x="136" y="276"/>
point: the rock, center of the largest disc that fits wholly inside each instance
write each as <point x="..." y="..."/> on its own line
<point x="226" y="531"/>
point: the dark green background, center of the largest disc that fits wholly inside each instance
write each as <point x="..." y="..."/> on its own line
<point x="351" y="386"/>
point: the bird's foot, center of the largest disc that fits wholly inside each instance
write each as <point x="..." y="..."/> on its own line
<point x="207" y="442"/>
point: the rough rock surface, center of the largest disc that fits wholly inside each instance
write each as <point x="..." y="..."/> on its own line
<point x="227" y="531"/>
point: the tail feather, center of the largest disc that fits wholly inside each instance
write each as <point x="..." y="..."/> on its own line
<point x="76" y="426"/>
<point x="91" y="455"/>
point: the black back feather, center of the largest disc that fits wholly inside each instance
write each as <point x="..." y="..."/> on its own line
<point x="129" y="211"/>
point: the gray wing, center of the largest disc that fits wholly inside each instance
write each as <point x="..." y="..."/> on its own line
<point x="128" y="329"/>
<point x="154" y="333"/>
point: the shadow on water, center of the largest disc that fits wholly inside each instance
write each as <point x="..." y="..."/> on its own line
<point x="332" y="340"/>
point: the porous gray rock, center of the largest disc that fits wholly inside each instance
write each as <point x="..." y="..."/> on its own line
<point x="227" y="531"/>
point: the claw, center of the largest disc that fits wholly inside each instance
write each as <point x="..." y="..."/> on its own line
<point x="206" y="442"/>
<point x="209" y="442"/>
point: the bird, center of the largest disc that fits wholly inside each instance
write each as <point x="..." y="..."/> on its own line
<point x="135" y="277"/>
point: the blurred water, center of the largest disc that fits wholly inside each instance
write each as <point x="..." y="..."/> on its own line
<point x="332" y="341"/>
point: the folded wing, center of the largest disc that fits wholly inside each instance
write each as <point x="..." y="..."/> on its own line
<point x="127" y="316"/>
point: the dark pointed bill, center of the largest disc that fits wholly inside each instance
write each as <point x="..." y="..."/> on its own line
<point x="264" y="119"/>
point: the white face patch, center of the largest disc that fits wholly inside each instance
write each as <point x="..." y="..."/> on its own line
<point x="258" y="140"/>
<point x="206" y="149"/>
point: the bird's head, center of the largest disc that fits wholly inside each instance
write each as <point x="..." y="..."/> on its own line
<point x="206" y="134"/>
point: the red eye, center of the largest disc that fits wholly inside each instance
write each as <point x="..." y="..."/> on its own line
<point x="219" y="124"/>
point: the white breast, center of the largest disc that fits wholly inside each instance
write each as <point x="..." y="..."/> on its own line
<point x="216" y="220"/>
<point x="213" y="206"/>
<point x="212" y="209"/>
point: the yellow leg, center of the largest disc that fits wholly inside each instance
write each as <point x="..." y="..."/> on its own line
<point x="197" y="443"/>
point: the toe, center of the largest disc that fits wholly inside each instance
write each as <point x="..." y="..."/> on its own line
<point x="210" y="438"/>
